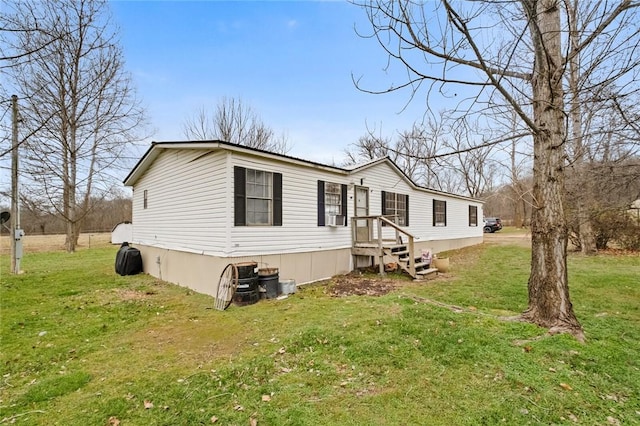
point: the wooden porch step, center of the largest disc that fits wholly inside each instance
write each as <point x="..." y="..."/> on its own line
<point x="418" y="265"/>
<point x="395" y="248"/>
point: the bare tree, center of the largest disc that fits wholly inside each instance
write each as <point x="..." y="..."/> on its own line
<point x="519" y="188"/>
<point x="519" y="176"/>
<point x="589" y="85"/>
<point x="507" y="51"/>
<point x="367" y="148"/>
<point x="12" y="24"/>
<point x="78" y="105"/>
<point x="435" y="153"/>
<point x="11" y="54"/>
<point x="605" y="180"/>
<point x="475" y="168"/>
<point x="407" y="150"/>
<point x="235" y="122"/>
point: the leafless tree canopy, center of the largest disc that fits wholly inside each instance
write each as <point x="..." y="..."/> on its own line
<point x="11" y="24"/>
<point x="511" y="58"/>
<point x="79" y="111"/>
<point x="436" y="154"/>
<point x="234" y="121"/>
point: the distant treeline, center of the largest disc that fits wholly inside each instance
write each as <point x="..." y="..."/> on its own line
<point x="102" y="218"/>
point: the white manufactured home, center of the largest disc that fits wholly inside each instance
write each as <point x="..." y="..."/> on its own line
<point x="198" y="206"/>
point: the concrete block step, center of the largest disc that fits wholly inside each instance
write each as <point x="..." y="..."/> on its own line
<point x="426" y="273"/>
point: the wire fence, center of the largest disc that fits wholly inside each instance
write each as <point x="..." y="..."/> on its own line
<point x="55" y="242"/>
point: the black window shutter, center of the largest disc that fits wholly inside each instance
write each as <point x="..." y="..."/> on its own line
<point x="406" y="213"/>
<point x="239" y="192"/>
<point x="384" y="204"/>
<point x="445" y="212"/>
<point x="344" y="203"/>
<point x="321" y="203"/>
<point x="277" y="199"/>
<point x="433" y="209"/>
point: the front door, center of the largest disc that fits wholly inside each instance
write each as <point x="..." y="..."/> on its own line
<point x="361" y="208"/>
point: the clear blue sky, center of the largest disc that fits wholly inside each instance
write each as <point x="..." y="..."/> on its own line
<point x="291" y="61"/>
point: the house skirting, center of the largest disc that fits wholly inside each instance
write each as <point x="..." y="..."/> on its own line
<point x="201" y="272"/>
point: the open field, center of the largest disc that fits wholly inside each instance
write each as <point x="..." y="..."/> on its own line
<point x="84" y="346"/>
<point x="510" y="235"/>
<point x="41" y="243"/>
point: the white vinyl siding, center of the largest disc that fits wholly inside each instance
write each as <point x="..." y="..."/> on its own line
<point x="382" y="177"/>
<point x="191" y="205"/>
<point x="299" y="231"/>
<point x="184" y="208"/>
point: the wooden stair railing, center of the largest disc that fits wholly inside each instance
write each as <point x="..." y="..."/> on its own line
<point x="376" y="246"/>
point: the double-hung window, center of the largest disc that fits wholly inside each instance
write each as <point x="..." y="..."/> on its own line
<point x="439" y="213"/>
<point x="473" y="215"/>
<point x="257" y="197"/>
<point x="332" y="204"/>
<point x="332" y="199"/>
<point x="396" y="204"/>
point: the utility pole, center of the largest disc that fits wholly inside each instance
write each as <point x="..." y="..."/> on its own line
<point x="16" y="232"/>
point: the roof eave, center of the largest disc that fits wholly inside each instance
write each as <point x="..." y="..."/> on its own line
<point x="156" y="147"/>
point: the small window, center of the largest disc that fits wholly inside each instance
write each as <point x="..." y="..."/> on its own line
<point x="473" y="215"/>
<point x="396" y="204"/>
<point x="144" y="199"/>
<point x="332" y="204"/>
<point x="439" y="213"/>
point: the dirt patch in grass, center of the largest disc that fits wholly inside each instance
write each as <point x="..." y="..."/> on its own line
<point x="126" y="294"/>
<point x="619" y="252"/>
<point x="519" y="237"/>
<point x="194" y="341"/>
<point x="368" y="283"/>
<point x="357" y="285"/>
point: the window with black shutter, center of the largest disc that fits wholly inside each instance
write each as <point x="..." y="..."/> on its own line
<point x="257" y="197"/>
<point x="439" y="213"/>
<point x="332" y="204"/>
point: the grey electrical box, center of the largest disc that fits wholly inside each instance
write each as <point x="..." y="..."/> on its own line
<point x="18" y="234"/>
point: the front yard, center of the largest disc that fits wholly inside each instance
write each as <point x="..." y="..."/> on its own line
<point x="82" y="345"/>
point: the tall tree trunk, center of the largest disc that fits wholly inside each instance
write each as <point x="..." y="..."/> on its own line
<point x="549" y="303"/>
<point x="585" y="230"/>
<point x="71" y="240"/>
<point x="518" y="213"/>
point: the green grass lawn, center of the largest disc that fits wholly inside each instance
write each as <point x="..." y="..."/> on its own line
<point x="84" y="346"/>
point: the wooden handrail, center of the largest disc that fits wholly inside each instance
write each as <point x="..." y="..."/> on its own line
<point x="385" y="219"/>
